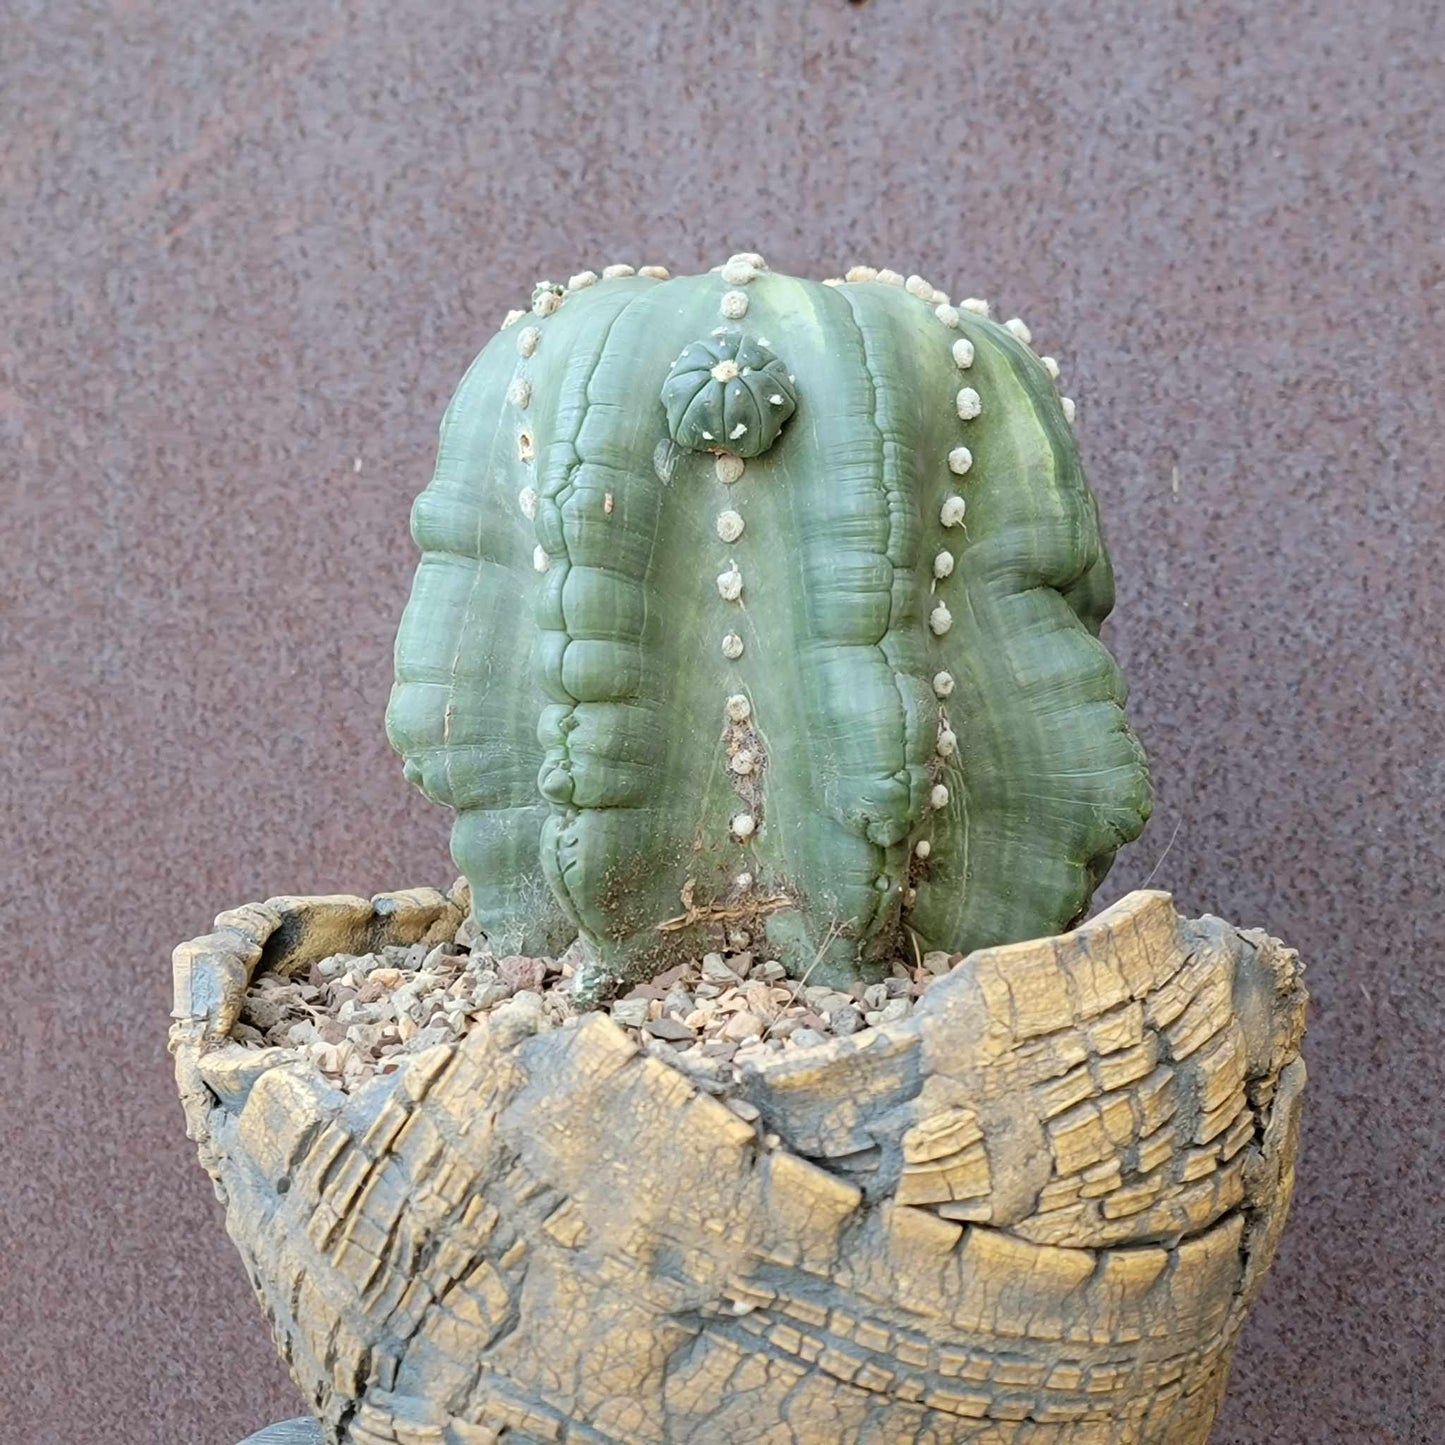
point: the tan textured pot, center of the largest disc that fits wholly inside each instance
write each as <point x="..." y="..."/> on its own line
<point x="1036" y="1211"/>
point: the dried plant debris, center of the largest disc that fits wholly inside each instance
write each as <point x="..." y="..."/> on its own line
<point x="359" y="1016"/>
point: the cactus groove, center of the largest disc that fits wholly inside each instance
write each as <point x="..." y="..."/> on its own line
<point x="834" y="678"/>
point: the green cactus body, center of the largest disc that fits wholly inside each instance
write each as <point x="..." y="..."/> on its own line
<point x="833" y="678"/>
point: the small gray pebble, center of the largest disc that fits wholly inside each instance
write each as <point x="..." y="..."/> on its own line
<point x="678" y="1001"/>
<point x="439" y="958"/>
<point x="714" y="970"/>
<point x="630" y="1012"/>
<point x="485" y="995"/>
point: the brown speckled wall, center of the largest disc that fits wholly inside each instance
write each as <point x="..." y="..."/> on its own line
<point x="247" y="249"/>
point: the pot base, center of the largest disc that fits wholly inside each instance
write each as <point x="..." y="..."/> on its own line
<point x="289" y="1432"/>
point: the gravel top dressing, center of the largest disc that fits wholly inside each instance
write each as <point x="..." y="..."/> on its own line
<point x="357" y="1016"/>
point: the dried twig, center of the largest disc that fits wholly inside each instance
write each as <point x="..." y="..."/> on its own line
<point x="733" y="913"/>
<point x="834" y="931"/>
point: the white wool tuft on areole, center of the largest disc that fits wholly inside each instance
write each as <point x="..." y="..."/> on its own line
<point x="730" y="583"/>
<point x="729" y="525"/>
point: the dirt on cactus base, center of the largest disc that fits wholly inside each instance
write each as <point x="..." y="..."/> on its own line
<point x="359" y="1016"/>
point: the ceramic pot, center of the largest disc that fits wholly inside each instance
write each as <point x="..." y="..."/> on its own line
<point x="1035" y="1211"/>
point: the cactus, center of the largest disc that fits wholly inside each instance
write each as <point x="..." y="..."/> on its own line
<point x="887" y="724"/>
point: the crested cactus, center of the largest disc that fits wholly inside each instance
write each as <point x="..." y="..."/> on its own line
<point x="757" y="601"/>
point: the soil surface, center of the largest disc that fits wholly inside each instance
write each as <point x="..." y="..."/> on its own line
<point x="358" y="1016"/>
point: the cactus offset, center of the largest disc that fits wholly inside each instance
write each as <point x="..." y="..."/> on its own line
<point x="751" y="599"/>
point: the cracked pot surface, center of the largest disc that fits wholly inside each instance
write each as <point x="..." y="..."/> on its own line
<point x="1036" y="1211"/>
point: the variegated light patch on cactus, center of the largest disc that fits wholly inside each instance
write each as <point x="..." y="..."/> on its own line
<point x="752" y="600"/>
